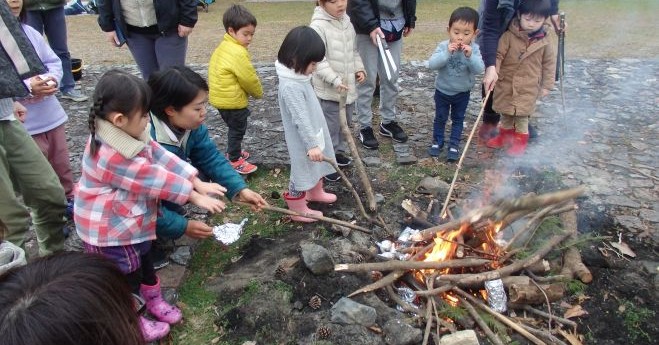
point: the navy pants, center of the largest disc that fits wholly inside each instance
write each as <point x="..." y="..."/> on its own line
<point x="455" y="106"/>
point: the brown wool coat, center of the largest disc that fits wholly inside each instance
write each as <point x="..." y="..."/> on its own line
<point x="523" y="71"/>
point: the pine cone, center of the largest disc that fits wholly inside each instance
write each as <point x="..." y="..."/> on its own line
<point x="280" y="272"/>
<point x="376" y="275"/>
<point x="323" y="332"/>
<point x="315" y="302"/>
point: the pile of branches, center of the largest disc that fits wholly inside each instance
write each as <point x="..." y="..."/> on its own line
<point x="526" y="279"/>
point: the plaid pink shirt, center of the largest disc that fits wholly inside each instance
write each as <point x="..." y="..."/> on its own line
<point x="116" y="200"/>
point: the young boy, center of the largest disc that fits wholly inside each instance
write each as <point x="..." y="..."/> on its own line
<point x="458" y="61"/>
<point x="232" y="78"/>
<point x="526" y="63"/>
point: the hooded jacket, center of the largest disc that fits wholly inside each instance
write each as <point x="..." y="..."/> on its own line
<point x="231" y="76"/>
<point x="524" y="67"/>
<point x="365" y="14"/>
<point x="342" y="58"/>
<point x="169" y="14"/>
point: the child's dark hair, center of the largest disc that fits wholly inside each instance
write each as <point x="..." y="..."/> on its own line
<point x="301" y="46"/>
<point x="464" y="14"/>
<point x="68" y="298"/>
<point x="541" y="8"/>
<point x="237" y="17"/>
<point x="117" y="92"/>
<point x="175" y="86"/>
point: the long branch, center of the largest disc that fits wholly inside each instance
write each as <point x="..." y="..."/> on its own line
<point x="479" y="320"/>
<point x="410" y="265"/>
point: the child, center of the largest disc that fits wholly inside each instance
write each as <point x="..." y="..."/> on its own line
<point x="305" y="130"/>
<point x="123" y="177"/>
<point x="178" y="110"/>
<point x="45" y="116"/>
<point x="83" y="299"/>
<point x="526" y="62"/>
<point x="232" y="79"/>
<point x="338" y="72"/>
<point x="458" y="61"/>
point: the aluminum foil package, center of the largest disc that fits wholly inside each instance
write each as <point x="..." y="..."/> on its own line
<point x="407" y="295"/>
<point x="229" y="232"/>
<point x="496" y="295"/>
<point x="406" y="234"/>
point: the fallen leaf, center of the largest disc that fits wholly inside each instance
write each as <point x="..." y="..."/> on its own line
<point x="623" y="248"/>
<point x="571" y="338"/>
<point x="575" y="311"/>
<point x="581" y="298"/>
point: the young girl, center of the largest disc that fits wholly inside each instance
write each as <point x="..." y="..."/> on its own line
<point x="338" y="72"/>
<point x="123" y="177"/>
<point x="45" y="116"/>
<point x="178" y="111"/>
<point x="305" y="130"/>
<point x="526" y="63"/>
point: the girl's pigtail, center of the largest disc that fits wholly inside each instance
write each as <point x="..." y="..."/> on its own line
<point x="94" y="112"/>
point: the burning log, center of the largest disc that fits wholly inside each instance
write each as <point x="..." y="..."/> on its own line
<point x="531" y="294"/>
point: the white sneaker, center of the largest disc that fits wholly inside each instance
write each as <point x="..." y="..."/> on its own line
<point x="74" y="95"/>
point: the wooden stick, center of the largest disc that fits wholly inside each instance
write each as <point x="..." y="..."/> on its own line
<point x="385" y="281"/>
<point x="532" y="223"/>
<point x="395" y="265"/>
<point x="464" y="153"/>
<point x="530" y="309"/>
<point x="531" y="294"/>
<point x="542" y="334"/>
<point x="479" y="320"/>
<point x="355" y="195"/>
<point x="307" y="215"/>
<point x="572" y="263"/>
<point x="500" y="317"/>
<point x="361" y="170"/>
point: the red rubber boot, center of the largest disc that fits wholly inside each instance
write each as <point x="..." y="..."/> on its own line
<point x="503" y="139"/>
<point x="520" y="140"/>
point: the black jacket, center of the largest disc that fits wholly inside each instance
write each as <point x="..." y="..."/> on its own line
<point x="169" y="14"/>
<point x="365" y="14"/>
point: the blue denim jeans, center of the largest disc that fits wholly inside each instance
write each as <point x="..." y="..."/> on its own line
<point x="53" y="24"/>
<point x="456" y="106"/>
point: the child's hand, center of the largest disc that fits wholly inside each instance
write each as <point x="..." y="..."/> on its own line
<point x="197" y="229"/>
<point x="466" y="49"/>
<point x="315" y="154"/>
<point x="43" y="86"/>
<point x="206" y="188"/>
<point x="249" y="196"/>
<point x="545" y="93"/>
<point x="206" y="202"/>
<point x="360" y="77"/>
<point x="452" y="47"/>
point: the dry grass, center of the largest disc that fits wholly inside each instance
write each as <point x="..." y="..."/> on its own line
<point x="597" y="29"/>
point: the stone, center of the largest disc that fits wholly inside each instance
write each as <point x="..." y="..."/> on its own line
<point x="171" y="275"/>
<point x="379" y="198"/>
<point x="629" y="222"/>
<point x="466" y="337"/>
<point x="649" y="215"/>
<point x="343" y="215"/>
<point x="398" y="332"/>
<point x="372" y="162"/>
<point x="347" y="311"/>
<point x="317" y="259"/>
<point x="621" y="200"/>
<point x="181" y="256"/>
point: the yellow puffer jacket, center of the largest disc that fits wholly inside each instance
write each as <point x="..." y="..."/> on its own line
<point x="231" y="76"/>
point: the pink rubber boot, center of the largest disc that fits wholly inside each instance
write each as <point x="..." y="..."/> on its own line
<point x="319" y="195"/>
<point x="153" y="330"/>
<point x="157" y="306"/>
<point x="299" y="205"/>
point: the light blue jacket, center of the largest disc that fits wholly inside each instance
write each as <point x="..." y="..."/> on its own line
<point x="456" y="72"/>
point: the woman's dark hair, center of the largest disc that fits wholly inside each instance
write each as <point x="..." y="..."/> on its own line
<point x="68" y="298"/>
<point x="541" y="8"/>
<point x="464" y="14"/>
<point x="237" y="17"/>
<point x="175" y="86"/>
<point x="301" y="46"/>
<point x="117" y="92"/>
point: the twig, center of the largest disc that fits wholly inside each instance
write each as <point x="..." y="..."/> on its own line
<point x="547" y="302"/>
<point x="308" y="215"/>
<point x="531" y="224"/>
<point x="538" y="312"/>
<point x="464" y="153"/>
<point x="435" y="291"/>
<point x="410" y="265"/>
<point x="542" y="334"/>
<point x="426" y="333"/>
<point x="385" y="281"/>
<point x="481" y="323"/>
<point x="361" y="170"/>
<point x="500" y="317"/>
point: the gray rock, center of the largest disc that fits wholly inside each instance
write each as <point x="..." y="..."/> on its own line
<point x="347" y="311"/>
<point x="621" y="200"/>
<point x="652" y="267"/>
<point x="379" y="198"/>
<point x="398" y="332"/>
<point x="373" y="162"/>
<point x="649" y="215"/>
<point x="466" y="337"/>
<point x="317" y="259"/>
<point x="182" y="255"/>
<point x="629" y="222"/>
<point x="343" y="215"/>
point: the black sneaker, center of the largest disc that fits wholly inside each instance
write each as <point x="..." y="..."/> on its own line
<point x="453" y="155"/>
<point x="342" y="160"/>
<point x="333" y="177"/>
<point x="393" y="130"/>
<point x="367" y="138"/>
